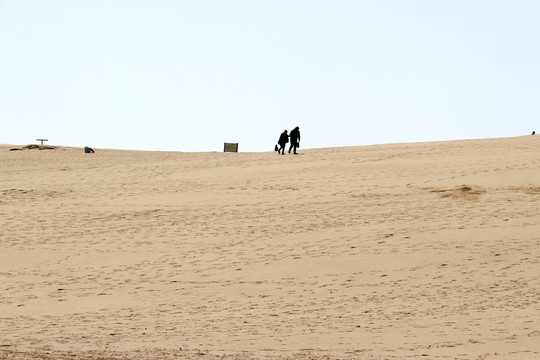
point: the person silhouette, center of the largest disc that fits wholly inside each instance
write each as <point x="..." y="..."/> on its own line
<point x="295" y="139"/>
<point x="283" y="140"/>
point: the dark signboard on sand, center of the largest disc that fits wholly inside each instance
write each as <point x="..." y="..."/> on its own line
<point x="230" y="147"/>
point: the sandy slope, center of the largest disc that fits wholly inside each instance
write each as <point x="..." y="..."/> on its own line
<point x="427" y="251"/>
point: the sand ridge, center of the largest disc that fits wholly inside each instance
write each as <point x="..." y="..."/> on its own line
<point x="426" y="250"/>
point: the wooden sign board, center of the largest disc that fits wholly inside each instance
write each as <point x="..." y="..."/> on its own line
<point x="230" y="147"/>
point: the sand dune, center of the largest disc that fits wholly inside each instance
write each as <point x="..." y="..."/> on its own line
<point x="402" y="251"/>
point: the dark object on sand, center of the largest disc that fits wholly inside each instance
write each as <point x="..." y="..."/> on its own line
<point x="34" y="147"/>
<point x="230" y="147"/>
<point x="39" y="147"/>
<point x="88" y="150"/>
<point x="534" y="132"/>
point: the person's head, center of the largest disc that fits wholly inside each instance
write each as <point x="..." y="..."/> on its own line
<point x="284" y="131"/>
<point x="297" y="128"/>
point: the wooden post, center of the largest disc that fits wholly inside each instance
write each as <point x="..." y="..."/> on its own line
<point x="42" y="140"/>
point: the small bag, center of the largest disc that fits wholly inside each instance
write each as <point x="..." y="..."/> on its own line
<point x="276" y="148"/>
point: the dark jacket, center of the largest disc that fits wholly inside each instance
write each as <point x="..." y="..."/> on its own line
<point x="283" y="139"/>
<point x="295" y="135"/>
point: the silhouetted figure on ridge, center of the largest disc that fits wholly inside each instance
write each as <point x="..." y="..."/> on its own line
<point x="295" y="139"/>
<point x="283" y="140"/>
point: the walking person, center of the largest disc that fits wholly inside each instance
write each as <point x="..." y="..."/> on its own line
<point x="295" y="139"/>
<point x="283" y="140"/>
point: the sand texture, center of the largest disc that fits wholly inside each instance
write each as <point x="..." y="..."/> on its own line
<point x="401" y="251"/>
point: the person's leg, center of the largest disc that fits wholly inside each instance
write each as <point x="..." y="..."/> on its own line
<point x="293" y="147"/>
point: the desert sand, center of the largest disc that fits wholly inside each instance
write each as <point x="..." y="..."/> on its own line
<point x="398" y="251"/>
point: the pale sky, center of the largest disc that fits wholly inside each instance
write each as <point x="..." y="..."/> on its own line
<point x="190" y="75"/>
